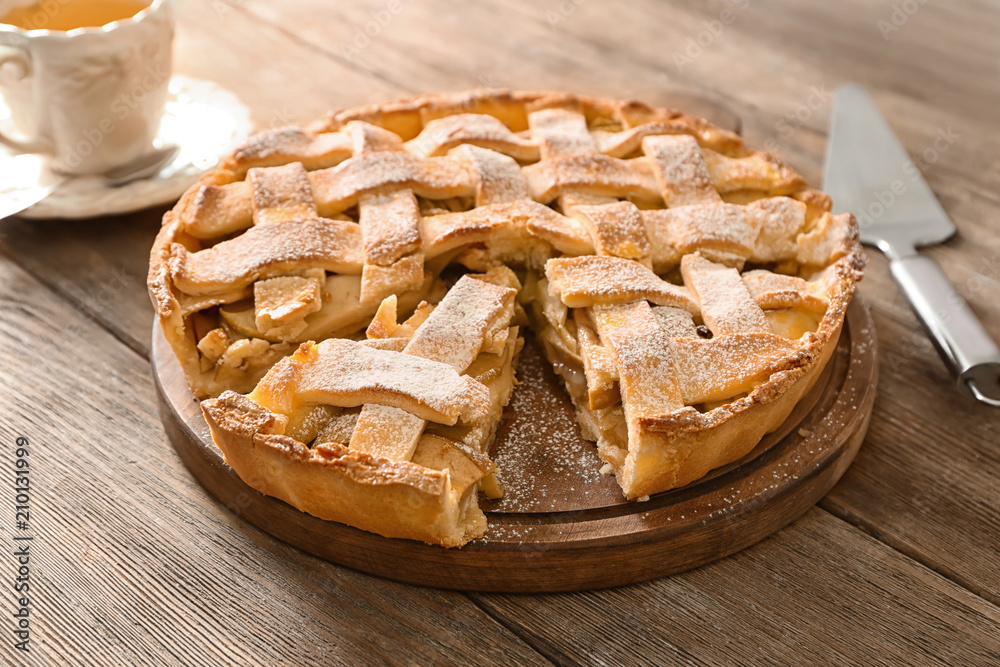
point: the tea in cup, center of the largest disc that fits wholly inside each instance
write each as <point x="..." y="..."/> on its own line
<point x="86" y="81"/>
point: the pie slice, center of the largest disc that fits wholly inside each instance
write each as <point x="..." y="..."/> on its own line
<point x="350" y="298"/>
<point x="387" y="434"/>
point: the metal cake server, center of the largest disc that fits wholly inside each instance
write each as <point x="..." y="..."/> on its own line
<point x="869" y="173"/>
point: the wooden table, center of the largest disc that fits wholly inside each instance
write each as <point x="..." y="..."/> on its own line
<point x="134" y="563"/>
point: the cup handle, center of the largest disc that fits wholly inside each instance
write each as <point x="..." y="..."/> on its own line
<point x="19" y="58"/>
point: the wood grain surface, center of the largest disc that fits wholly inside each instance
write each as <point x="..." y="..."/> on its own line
<point x="137" y="564"/>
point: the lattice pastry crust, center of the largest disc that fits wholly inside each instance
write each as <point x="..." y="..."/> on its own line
<point x="354" y="294"/>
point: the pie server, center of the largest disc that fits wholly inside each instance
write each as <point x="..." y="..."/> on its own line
<point x="870" y="174"/>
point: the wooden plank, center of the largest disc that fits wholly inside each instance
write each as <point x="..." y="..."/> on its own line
<point x="773" y="54"/>
<point x="415" y="47"/>
<point x="99" y="266"/>
<point x="135" y="563"/>
<point x="816" y="593"/>
<point x="281" y="79"/>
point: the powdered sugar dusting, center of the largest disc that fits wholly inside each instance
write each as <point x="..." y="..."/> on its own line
<point x="454" y="333"/>
<point x="542" y="459"/>
<point x="617" y="229"/>
<point x="642" y="351"/>
<point x="347" y="373"/>
<point x="584" y="281"/>
<point x="324" y="244"/>
<point x="561" y="132"/>
<point x="471" y="129"/>
<point x="281" y="193"/>
<point x="780" y="220"/>
<point x="289" y="140"/>
<point x="500" y="177"/>
<point x="390" y="225"/>
<point x="717" y="369"/>
<point x="436" y="177"/>
<point x="692" y="227"/>
<point x="680" y="170"/>
<point x="288" y="144"/>
<point x="726" y="304"/>
<point x="588" y="174"/>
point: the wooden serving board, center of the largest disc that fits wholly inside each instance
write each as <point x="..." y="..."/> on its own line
<point x="561" y="525"/>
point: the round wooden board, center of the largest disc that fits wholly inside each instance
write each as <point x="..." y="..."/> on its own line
<point x="561" y="525"/>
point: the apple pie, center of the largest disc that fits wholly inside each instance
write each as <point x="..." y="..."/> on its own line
<point x="351" y="297"/>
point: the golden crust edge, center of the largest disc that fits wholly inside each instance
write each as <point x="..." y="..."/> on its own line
<point x="168" y="308"/>
<point x="391" y="498"/>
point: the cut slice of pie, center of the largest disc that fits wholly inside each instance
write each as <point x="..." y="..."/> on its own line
<point x="354" y="296"/>
<point x="389" y="434"/>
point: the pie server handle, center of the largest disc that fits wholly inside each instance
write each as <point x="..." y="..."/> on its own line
<point x="967" y="349"/>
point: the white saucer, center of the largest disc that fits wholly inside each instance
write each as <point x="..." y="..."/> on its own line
<point x="205" y="120"/>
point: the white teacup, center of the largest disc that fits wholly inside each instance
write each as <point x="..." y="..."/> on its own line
<point x="91" y="98"/>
